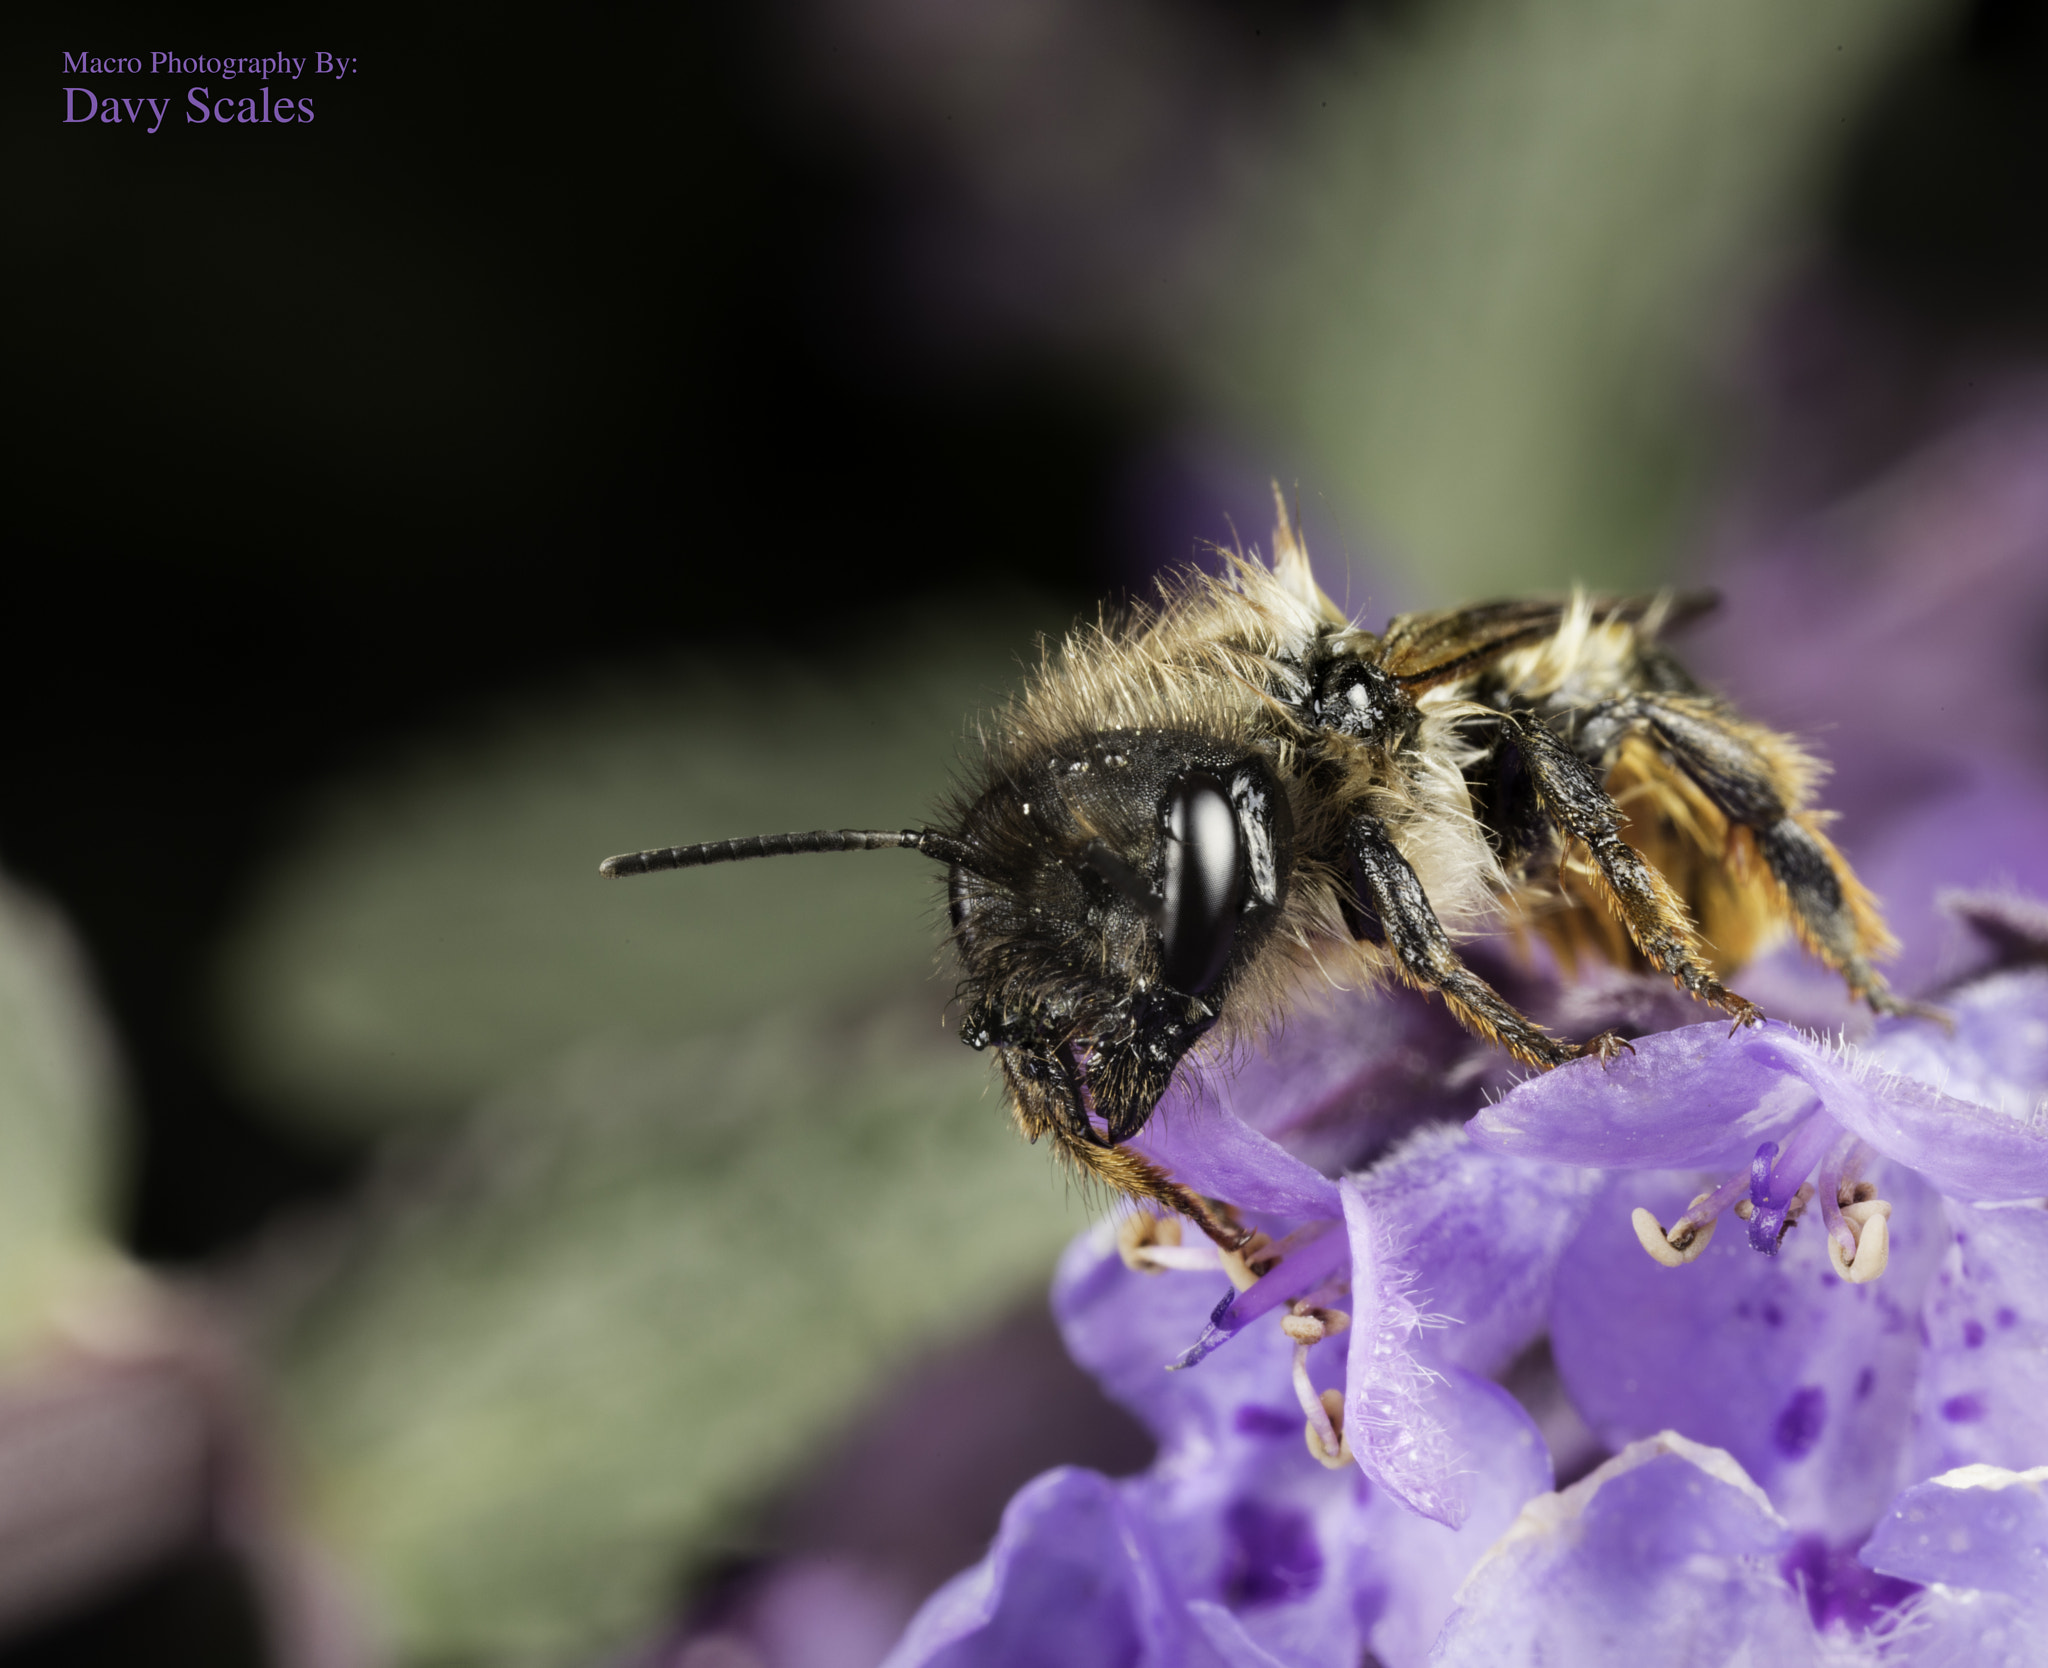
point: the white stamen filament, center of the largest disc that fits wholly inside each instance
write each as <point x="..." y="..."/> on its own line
<point x="1194" y="1259"/>
<point x="1140" y="1236"/>
<point x="1151" y="1244"/>
<point x="1250" y="1261"/>
<point x="1325" y="1431"/>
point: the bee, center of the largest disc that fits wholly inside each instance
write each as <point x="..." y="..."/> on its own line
<point x="1196" y="812"/>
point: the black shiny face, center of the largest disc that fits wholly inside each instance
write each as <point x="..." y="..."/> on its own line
<point x="1118" y="888"/>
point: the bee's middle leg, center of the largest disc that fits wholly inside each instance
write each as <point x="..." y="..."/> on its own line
<point x="1576" y="800"/>
<point x="1426" y="959"/>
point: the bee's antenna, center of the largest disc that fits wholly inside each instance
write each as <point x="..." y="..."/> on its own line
<point x="929" y="841"/>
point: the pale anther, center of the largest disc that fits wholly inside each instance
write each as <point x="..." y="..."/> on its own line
<point x="1871" y="1221"/>
<point x="1307" y="1325"/>
<point x="1685" y="1241"/>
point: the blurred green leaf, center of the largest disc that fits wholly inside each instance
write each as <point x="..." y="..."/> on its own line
<point x="624" y="1300"/>
<point x="59" y="1115"/>
<point x="1487" y="277"/>
<point x="443" y="928"/>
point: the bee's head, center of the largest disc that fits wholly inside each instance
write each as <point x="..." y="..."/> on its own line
<point x="1110" y="892"/>
<point x="1105" y="894"/>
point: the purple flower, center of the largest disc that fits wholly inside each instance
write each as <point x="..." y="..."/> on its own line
<point x="1979" y="1537"/>
<point x="1793" y="1361"/>
<point x="1237" y="1547"/>
<point x="1823" y="1388"/>
<point x="1437" y="1232"/>
<point x="1669" y="1553"/>
<point x="1254" y="1538"/>
<point x="1769" y="1408"/>
<point x="1666" y="1554"/>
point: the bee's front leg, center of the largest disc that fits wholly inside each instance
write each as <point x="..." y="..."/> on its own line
<point x="1046" y="1100"/>
<point x="1137" y="1177"/>
<point x="1425" y="958"/>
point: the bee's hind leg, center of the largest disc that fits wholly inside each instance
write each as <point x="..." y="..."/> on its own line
<point x="1732" y="763"/>
<point x="1425" y="958"/>
<point x="1574" y="798"/>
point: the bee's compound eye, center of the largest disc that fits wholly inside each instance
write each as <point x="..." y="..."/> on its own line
<point x="1200" y="884"/>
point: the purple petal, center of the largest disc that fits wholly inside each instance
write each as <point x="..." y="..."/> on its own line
<point x="1997" y="1054"/>
<point x="1213" y="1151"/>
<point x="2010" y="925"/>
<point x="1983" y="833"/>
<point x="1381" y="1567"/>
<point x="1980" y="1527"/>
<point x="1483" y="1233"/>
<point x="1983" y="1394"/>
<point x="1227" y="1637"/>
<point x="1841" y="1591"/>
<point x="1122" y="1328"/>
<point x="1952" y="1627"/>
<point x="1242" y="1517"/>
<point x="1391" y="1412"/>
<point x="1237" y="1510"/>
<point x="1805" y="1379"/>
<point x="1346" y="1076"/>
<point x="1966" y="1150"/>
<point x="1067" y="1581"/>
<point x="1415" y="1566"/>
<point x="1696" y="1096"/>
<point x="1699" y="1097"/>
<point x="1667" y="1554"/>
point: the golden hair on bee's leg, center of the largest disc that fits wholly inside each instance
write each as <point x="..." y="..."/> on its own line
<point x="1137" y="1177"/>
<point x="1761" y="780"/>
<point x="1577" y="801"/>
<point x="1037" y="1114"/>
<point x="1832" y="912"/>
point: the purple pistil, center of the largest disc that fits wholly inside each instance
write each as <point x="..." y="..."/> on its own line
<point x="1775" y="1175"/>
<point x="1308" y="1257"/>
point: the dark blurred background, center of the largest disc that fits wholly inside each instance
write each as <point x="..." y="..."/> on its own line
<point x="566" y="339"/>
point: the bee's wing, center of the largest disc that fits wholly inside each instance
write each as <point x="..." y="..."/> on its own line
<point x="1425" y="649"/>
